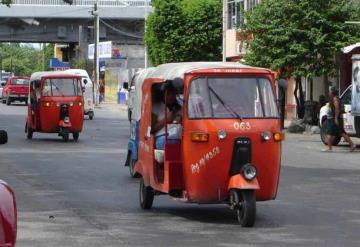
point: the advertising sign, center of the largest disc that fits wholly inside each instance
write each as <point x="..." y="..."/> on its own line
<point x="355" y="100"/>
<point x="105" y="50"/>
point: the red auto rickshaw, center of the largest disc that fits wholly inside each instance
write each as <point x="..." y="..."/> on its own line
<point x="56" y="105"/>
<point x="228" y="143"/>
<point x="8" y="212"/>
<point x="8" y="216"/>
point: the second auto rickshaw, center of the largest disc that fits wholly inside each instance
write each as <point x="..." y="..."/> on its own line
<point x="209" y="133"/>
<point x="56" y="105"/>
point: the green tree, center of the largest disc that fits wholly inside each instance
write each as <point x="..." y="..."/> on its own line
<point x="6" y="2"/>
<point x="300" y="38"/>
<point x="184" y="30"/>
<point x="25" y="59"/>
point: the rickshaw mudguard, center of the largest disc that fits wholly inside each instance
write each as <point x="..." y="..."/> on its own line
<point x="239" y="182"/>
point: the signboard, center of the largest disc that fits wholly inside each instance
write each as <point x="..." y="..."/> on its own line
<point x="105" y="50"/>
<point x="355" y="99"/>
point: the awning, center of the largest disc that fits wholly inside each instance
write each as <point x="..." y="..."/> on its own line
<point x="57" y="64"/>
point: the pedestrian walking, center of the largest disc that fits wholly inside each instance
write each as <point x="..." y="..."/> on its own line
<point x="336" y="123"/>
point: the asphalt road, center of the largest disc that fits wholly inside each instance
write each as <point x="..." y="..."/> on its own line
<point x="79" y="194"/>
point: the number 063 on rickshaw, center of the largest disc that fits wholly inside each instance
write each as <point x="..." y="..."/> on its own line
<point x="229" y="146"/>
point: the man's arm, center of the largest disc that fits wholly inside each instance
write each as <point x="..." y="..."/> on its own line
<point x="337" y="110"/>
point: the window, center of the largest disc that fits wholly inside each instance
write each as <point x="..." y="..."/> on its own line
<point x="251" y="4"/>
<point x="236" y="14"/>
<point x="212" y="97"/>
<point x="61" y="87"/>
<point x="346" y="97"/>
<point x="19" y="81"/>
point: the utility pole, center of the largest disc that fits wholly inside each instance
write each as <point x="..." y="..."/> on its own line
<point x="145" y="47"/>
<point x="96" y="53"/>
<point x="225" y="14"/>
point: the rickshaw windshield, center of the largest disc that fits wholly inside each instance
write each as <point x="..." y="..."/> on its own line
<point x="19" y="81"/>
<point x="231" y="97"/>
<point x="61" y="87"/>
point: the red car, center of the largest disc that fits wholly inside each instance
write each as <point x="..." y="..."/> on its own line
<point x="16" y="88"/>
<point x="8" y="216"/>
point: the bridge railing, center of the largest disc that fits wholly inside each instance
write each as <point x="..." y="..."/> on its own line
<point x="104" y="3"/>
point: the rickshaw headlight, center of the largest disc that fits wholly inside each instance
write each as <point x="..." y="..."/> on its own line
<point x="279" y="137"/>
<point x="222" y="134"/>
<point x="249" y="171"/>
<point x="199" y="137"/>
<point x="47" y="104"/>
<point x="80" y="103"/>
<point x="71" y="104"/>
<point x="266" y="136"/>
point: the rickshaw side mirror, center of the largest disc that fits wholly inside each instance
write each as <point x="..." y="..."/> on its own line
<point x="126" y="85"/>
<point x="283" y="83"/>
<point x="85" y="81"/>
<point x="3" y="84"/>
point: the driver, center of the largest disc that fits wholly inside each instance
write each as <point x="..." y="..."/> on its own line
<point x="158" y="117"/>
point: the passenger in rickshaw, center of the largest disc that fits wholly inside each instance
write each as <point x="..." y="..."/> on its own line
<point x="35" y="94"/>
<point x="167" y="95"/>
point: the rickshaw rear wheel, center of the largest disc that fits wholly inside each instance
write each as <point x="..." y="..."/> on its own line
<point x="133" y="173"/>
<point x="29" y="133"/>
<point x="76" y="136"/>
<point x="146" y="195"/>
<point x="244" y="204"/>
<point x="3" y="137"/>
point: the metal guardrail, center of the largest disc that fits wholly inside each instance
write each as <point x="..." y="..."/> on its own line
<point x="101" y="3"/>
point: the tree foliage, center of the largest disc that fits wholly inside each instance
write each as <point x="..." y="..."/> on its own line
<point x="6" y="2"/>
<point x="184" y="30"/>
<point x="25" y="59"/>
<point x="300" y="37"/>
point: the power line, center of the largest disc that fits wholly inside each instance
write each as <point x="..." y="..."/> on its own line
<point x="120" y="31"/>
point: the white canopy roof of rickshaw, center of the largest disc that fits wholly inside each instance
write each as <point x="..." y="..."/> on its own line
<point x="178" y="70"/>
<point x="38" y="75"/>
<point x="171" y="71"/>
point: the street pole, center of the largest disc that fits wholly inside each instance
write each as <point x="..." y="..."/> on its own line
<point x="225" y="10"/>
<point x="145" y="47"/>
<point x="96" y="52"/>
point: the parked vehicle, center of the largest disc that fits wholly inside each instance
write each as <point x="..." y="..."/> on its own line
<point x="134" y="95"/>
<point x="348" y="118"/>
<point x="16" y="88"/>
<point x="227" y="146"/>
<point x="56" y="105"/>
<point x="8" y="213"/>
<point x="2" y="84"/>
<point x="88" y="93"/>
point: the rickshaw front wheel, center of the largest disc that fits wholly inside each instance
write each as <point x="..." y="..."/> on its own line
<point x="244" y="204"/>
<point x="65" y="137"/>
<point x="146" y="195"/>
<point x="76" y="136"/>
